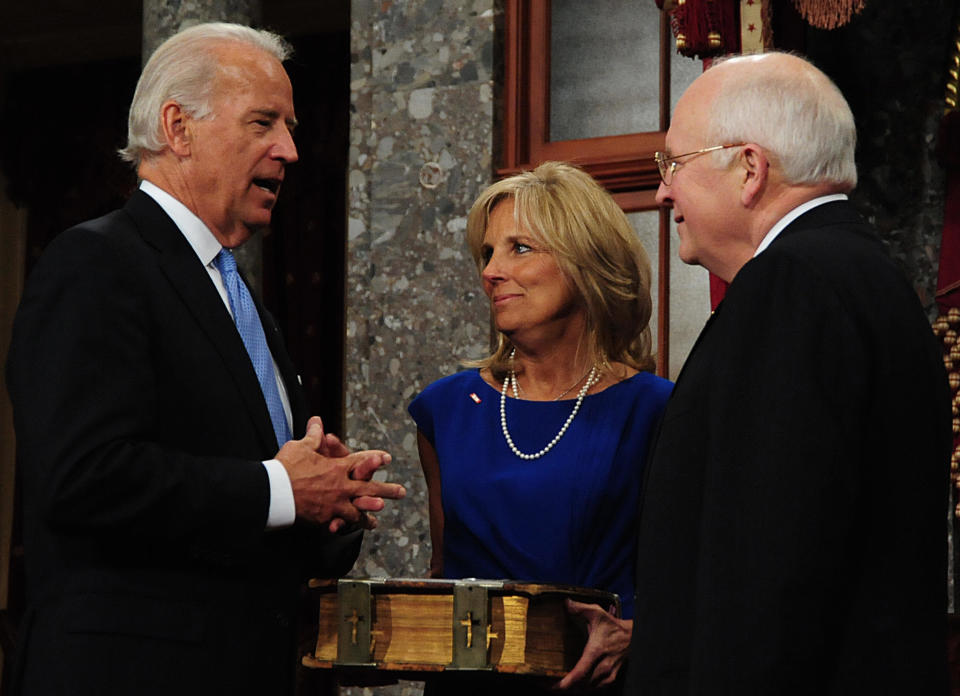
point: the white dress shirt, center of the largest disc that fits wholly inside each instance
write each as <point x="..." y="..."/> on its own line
<point x="282" y="512"/>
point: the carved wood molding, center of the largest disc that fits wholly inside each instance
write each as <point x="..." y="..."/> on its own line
<point x="622" y="163"/>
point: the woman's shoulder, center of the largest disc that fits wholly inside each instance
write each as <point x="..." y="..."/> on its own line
<point x="645" y="385"/>
<point x="446" y="397"/>
<point x="656" y="383"/>
<point x="458" y="381"/>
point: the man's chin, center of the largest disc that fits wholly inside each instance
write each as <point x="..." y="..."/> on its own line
<point x="259" y="223"/>
<point x="257" y="217"/>
<point x="688" y="257"/>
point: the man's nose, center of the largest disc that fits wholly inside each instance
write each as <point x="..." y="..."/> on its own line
<point x="663" y="196"/>
<point x="285" y="149"/>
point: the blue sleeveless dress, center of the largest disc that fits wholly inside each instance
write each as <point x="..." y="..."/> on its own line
<point x="568" y="517"/>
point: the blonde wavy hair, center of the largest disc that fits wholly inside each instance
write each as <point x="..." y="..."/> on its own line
<point x="597" y="250"/>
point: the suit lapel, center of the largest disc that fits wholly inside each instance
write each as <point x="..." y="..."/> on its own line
<point x="192" y="282"/>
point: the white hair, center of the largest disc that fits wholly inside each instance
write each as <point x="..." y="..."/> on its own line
<point x="800" y="116"/>
<point x="182" y="69"/>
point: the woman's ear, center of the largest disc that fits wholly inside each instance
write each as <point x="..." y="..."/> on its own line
<point x="755" y="168"/>
<point x="174" y="124"/>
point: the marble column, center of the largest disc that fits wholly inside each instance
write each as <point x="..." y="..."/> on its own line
<point x="420" y="153"/>
<point x="164" y="18"/>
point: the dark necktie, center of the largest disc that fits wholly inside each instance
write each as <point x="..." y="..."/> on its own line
<point x="251" y="332"/>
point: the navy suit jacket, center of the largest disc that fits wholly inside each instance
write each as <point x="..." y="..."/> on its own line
<point x="792" y="528"/>
<point x="141" y="429"/>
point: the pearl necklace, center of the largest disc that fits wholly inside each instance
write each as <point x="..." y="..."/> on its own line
<point x="512" y="380"/>
<point x="518" y="390"/>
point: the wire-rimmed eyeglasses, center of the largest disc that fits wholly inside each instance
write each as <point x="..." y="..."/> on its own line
<point x="669" y="165"/>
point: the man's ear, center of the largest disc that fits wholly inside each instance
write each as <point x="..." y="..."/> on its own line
<point x="174" y="123"/>
<point x="755" y="169"/>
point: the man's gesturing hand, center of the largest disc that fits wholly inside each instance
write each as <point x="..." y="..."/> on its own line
<point x="333" y="486"/>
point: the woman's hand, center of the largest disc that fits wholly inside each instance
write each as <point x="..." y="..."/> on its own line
<point x="606" y="650"/>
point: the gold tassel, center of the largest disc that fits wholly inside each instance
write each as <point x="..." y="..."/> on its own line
<point x="828" y="14"/>
<point x="953" y="75"/>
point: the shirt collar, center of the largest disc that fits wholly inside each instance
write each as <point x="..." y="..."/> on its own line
<point x="197" y="234"/>
<point x="793" y="215"/>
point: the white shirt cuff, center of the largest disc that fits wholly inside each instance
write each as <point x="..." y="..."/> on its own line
<point x="283" y="511"/>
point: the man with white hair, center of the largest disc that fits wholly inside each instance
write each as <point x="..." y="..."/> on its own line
<point x="175" y="493"/>
<point x="792" y="534"/>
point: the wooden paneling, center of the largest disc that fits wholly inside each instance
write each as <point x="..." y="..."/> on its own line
<point x="622" y="163"/>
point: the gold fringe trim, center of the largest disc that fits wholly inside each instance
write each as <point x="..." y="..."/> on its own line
<point x="828" y="14"/>
<point x="951" y="97"/>
<point x="945" y="328"/>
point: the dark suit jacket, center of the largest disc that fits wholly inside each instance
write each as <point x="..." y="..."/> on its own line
<point x="792" y="529"/>
<point x="141" y="429"/>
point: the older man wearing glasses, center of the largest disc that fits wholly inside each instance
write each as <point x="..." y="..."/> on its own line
<point x="791" y="537"/>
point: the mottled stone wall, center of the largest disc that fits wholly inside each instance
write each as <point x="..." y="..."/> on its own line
<point x="420" y="149"/>
<point x="891" y="64"/>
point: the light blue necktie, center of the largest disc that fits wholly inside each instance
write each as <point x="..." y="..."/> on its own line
<point x="251" y="331"/>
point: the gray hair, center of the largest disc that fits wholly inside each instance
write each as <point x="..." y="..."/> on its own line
<point x="182" y="69"/>
<point x="800" y="116"/>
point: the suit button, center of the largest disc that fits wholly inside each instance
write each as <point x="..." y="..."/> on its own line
<point x="283" y="621"/>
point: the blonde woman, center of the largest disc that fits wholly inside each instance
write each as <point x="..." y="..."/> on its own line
<point x="534" y="457"/>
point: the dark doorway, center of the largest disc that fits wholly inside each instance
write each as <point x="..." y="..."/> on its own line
<point x="304" y="255"/>
<point x="62" y="126"/>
